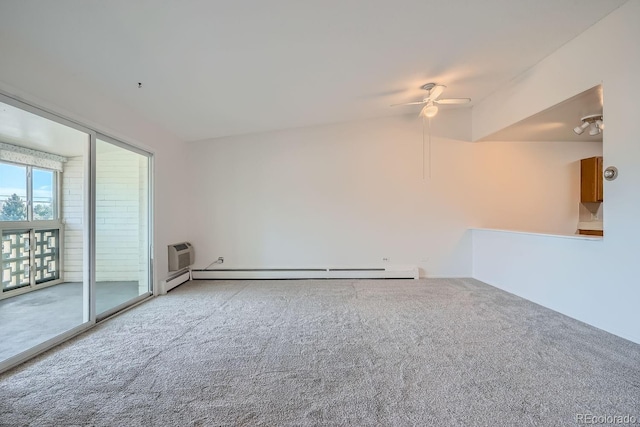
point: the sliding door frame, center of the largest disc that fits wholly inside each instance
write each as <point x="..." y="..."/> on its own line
<point x="89" y="317"/>
<point x="149" y="201"/>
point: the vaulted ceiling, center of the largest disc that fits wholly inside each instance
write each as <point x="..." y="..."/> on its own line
<point x="557" y="122"/>
<point x="216" y="68"/>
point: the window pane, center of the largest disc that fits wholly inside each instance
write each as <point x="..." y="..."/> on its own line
<point x="43" y="194"/>
<point x="13" y="192"/>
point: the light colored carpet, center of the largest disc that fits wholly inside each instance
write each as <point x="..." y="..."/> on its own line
<point x="317" y="352"/>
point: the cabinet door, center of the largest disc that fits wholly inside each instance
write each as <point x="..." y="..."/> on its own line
<point x="599" y="186"/>
<point x="591" y="180"/>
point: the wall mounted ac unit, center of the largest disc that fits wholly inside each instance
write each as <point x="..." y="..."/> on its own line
<point x="181" y="255"/>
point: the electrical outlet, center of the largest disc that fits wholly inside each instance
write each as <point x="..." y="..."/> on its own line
<point x="385" y="259"/>
<point x="221" y="259"/>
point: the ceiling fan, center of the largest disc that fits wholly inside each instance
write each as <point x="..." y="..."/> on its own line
<point x="432" y="100"/>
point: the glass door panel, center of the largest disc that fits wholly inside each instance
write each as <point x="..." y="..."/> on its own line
<point x="44" y="231"/>
<point x="122" y="226"/>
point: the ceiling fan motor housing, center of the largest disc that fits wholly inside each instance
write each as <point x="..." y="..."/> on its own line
<point x="428" y="86"/>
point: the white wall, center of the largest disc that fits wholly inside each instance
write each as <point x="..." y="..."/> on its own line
<point x="121" y="240"/>
<point x="352" y="194"/>
<point x="593" y="282"/>
<point x="529" y="186"/>
<point x="345" y="194"/>
<point x="72" y="203"/>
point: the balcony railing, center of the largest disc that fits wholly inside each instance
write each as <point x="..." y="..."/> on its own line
<point x="30" y="257"/>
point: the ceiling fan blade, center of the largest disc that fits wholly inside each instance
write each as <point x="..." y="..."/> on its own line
<point x="436" y="92"/>
<point x="409" y="103"/>
<point x="453" y="101"/>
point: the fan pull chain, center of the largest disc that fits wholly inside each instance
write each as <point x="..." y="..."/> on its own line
<point x="423" y="119"/>
<point x="429" y="148"/>
<point x="423" y="148"/>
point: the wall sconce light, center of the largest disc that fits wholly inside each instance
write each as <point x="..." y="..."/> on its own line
<point x="593" y="121"/>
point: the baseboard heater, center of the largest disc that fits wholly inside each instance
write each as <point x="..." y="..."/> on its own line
<point x="409" y="272"/>
<point x="175" y="280"/>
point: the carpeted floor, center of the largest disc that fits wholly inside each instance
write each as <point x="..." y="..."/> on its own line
<point x="360" y="352"/>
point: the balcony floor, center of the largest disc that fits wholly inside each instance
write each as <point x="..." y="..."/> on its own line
<point x="34" y="317"/>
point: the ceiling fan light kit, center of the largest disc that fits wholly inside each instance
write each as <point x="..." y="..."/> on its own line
<point x="429" y="110"/>
<point x="594" y="121"/>
<point x="432" y="100"/>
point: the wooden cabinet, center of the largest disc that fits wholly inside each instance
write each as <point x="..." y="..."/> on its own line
<point x="591" y="180"/>
<point x="591" y="232"/>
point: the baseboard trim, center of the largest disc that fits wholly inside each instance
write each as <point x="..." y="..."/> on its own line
<point x="174" y="280"/>
<point x="408" y="272"/>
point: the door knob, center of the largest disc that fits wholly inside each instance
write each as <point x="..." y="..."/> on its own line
<point x="610" y="173"/>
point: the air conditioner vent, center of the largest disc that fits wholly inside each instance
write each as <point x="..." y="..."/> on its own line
<point x="181" y="255"/>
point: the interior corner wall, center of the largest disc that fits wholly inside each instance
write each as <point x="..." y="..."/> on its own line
<point x="592" y="282"/>
<point x="529" y="186"/>
<point x="337" y="195"/>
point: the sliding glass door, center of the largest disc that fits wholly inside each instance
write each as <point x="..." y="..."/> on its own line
<point x="122" y="226"/>
<point x="44" y="201"/>
<point x="75" y="221"/>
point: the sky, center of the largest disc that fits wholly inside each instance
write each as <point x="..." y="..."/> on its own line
<point x="13" y="179"/>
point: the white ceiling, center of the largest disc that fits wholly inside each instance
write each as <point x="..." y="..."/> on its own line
<point x="556" y="123"/>
<point x="25" y="129"/>
<point x="217" y="68"/>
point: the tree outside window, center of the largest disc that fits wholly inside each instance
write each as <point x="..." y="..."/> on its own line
<point x="13" y="209"/>
<point x="19" y="183"/>
<point x="42" y="212"/>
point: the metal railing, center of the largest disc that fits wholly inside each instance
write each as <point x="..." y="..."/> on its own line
<point x="30" y="257"/>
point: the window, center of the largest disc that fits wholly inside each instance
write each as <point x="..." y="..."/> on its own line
<point x="43" y="187"/>
<point x="27" y="193"/>
<point x="31" y="243"/>
<point x="13" y="192"/>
